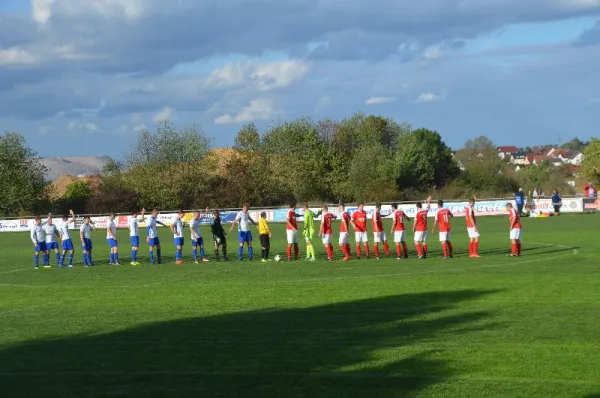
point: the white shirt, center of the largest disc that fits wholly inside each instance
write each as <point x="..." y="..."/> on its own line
<point x="133" y="227"/>
<point x="37" y="233"/>
<point x="50" y="231"/>
<point x="86" y="229"/>
<point x="243" y="220"/>
<point x="177" y="227"/>
<point x="195" y="228"/>
<point x="151" y="227"/>
<point x="113" y="230"/>
<point x="64" y="231"/>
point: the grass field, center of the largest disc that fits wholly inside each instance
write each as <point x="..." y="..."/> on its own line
<point x="489" y="327"/>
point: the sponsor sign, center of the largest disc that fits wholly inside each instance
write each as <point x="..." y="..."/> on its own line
<point x="569" y="205"/>
<point x="590" y="204"/>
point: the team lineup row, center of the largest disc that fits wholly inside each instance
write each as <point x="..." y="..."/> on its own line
<point x="44" y="234"/>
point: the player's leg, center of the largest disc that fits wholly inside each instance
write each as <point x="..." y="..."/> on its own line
<point x="116" y="249"/>
<point x="36" y="255"/>
<point x="46" y="254"/>
<point x="56" y="253"/>
<point x="290" y="241"/>
<point x="296" y="246"/>
<point x="449" y="243"/>
<point x="85" y="254"/>
<point x="444" y="242"/>
<point x="249" y="243"/>
<point x="357" y="236"/>
<point x="90" y="249"/>
<point x="418" y="240"/>
<point x="263" y="247"/>
<point x="241" y="239"/>
<point x="386" y="247"/>
<point x="365" y="241"/>
<point x="135" y="245"/>
<point x="224" y="247"/>
<point x="195" y="250"/>
<point x="151" y="250"/>
<point x="202" y="252"/>
<point x="308" y="247"/>
<point x="178" y="250"/>
<point x="267" y="247"/>
<point x="158" y="250"/>
<point x="376" y="239"/>
<point x="111" y="258"/>
<point x="424" y="244"/>
<point x="216" y="244"/>
<point x="397" y="244"/>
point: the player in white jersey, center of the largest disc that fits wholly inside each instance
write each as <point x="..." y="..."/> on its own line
<point x="134" y="235"/>
<point x="85" y="234"/>
<point x="111" y="238"/>
<point x="243" y="221"/>
<point x="177" y="229"/>
<point x="51" y="232"/>
<point x="65" y="237"/>
<point x="196" y="236"/>
<point x="152" y="238"/>
<point x="39" y="243"/>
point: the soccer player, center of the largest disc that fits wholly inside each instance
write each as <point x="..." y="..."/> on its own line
<point x="472" y="229"/>
<point x="86" y="241"/>
<point x="399" y="232"/>
<point x="442" y="217"/>
<point x="39" y="243"/>
<point x="65" y="237"/>
<point x="520" y="200"/>
<point x="264" y="234"/>
<point x="218" y="233"/>
<point x="515" y="230"/>
<point x="51" y="233"/>
<point x="152" y="238"/>
<point x="134" y="235"/>
<point x="292" y="232"/>
<point x="359" y="222"/>
<point x="556" y="202"/>
<point x="177" y="229"/>
<point x="111" y="238"/>
<point x="309" y="231"/>
<point x="379" y="233"/>
<point x="326" y="231"/>
<point x="243" y="221"/>
<point x="344" y="228"/>
<point x="196" y="236"/>
<point x="420" y="228"/>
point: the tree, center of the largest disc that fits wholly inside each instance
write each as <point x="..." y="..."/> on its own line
<point x="575" y="145"/>
<point x="77" y="195"/>
<point x="22" y="176"/>
<point x="111" y="168"/>
<point x="247" y="139"/>
<point x="112" y="195"/>
<point x="590" y="166"/>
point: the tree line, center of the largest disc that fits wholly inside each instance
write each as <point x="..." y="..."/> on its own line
<point x="360" y="158"/>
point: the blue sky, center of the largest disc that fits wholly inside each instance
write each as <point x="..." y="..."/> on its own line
<point x="83" y="77"/>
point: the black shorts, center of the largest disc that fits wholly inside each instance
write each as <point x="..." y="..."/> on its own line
<point x="557" y="208"/>
<point x="219" y="240"/>
<point x="264" y="240"/>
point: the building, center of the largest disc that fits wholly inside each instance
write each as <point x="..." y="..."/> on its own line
<point x="505" y="152"/>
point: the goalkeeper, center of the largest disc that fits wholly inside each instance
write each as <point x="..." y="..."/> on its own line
<point x="309" y="231"/>
<point x="218" y="235"/>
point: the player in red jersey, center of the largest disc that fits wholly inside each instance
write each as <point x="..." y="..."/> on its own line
<point x="379" y="233"/>
<point x="344" y="228"/>
<point x="420" y="228"/>
<point x="359" y="222"/>
<point x="515" y="230"/>
<point x="399" y="231"/>
<point x="326" y="230"/>
<point x="472" y="229"/>
<point x="442" y="217"/>
<point x="292" y="231"/>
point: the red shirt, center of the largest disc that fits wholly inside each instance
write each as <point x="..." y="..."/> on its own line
<point x="344" y="225"/>
<point x="360" y="220"/>
<point x="291" y="217"/>
<point x="327" y="219"/>
<point x="443" y="218"/>
<point x="470" y="216"/>
<point x="377" y="222"/>
<point x="399" y="216"/>
<point x="515" y="219"/>
<point x="421" y="220"/>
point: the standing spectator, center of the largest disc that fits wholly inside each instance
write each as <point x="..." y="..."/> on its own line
<point x="556" y="202"/>
<point x="590" y="191"/>
<point x="520" y="200"/>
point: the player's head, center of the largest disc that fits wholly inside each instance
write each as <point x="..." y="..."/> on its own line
<point x="196" y="214"/>
<point x="245" y="207"/>
<point x="65" y="217"/>
<point x="471" y="201"/>
<point x="134" y="213"/>
<point x="378" y="206"/>
<point x="111" y="216"/>
<point x="306" y="207"/>
<point x="154" y="213"/>
<point x="263" y="214"/>
<point x="520" y="189"/>
<point x="180" y="213"/>
<point x="361" y="206"/>
<point x="49" y="221"/>
<point x="37" y="220"/>
<point x="394" y="206"/>
<point x="440" y="203"/>
<point x="342" y="207"/>
<point x="555" y="191"/>
<point x="216" y="213"/>
<point x="509" y="206"/>
<point x="419" y="205"/>
<point x="292" y="204"/>
<point x="86" y="219"/>
<point x="325" y="209"/>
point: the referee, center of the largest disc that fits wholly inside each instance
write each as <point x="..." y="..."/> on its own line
<point x="556" y="202"/>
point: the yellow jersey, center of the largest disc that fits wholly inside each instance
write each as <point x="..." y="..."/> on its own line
<point x="263" y="226"/>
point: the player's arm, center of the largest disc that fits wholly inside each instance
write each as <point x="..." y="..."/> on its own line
<point x="289" y="224"/>
<point x="161" y="223"/>
<point x="58" y="234"/>
<point x="268" y="229"/>
<point x="353" y="223"/>
<point x="435" y="222"/>
<point x="233" y="224"/>
<point x="81" y="236"/>
<point x="428" y="203"/>
<point x="172" y="228"/>
<point x="72" y="219"/>
<point x="143" y="218"/>
<point x="393" y="225"/>
<point x="251" y="220"/>
<point x="33" y="236"/>
<point x="110" y="233"/>
<point x="321" y="228"/>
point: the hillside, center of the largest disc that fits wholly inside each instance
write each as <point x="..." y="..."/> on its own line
<point x="73" y="165"/>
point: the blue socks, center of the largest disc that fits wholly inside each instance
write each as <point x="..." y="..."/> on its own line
<point x="87" y="259"/>
<point x="241" y="253"/>
<point x="201" y="252"/>
<point x="70" y="259"/>
<point x="151" y="254"/>
<point x="58" y="259"/>
<point x="134" y="255"/>
<point x="46" y="259"/>
<point x="195" y="254"/>
<point x="36" y="260"/>
<point x="158" y="255"/>
<point x="178" y="254"/>
<point x="250" y="252"/>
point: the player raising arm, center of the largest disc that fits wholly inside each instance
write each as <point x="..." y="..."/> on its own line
<point x="442" y="217"/>
<point x="86" y="241"/>
<point x="472" y="229"/>
<point x="134" y="235"/>
<point x="152" y="238"/>
<point x="243" y="221"/>
<point x="515" y="230"/>
<point x="379" y="233"/>
<point x="420" y="228"/>
<point x="344" y="241"/>
<point x="65" y="237"/>
<point x="39" y="243"/>
<point x="177" y="229"/>
<point x="399" y="231"/>
<point x="359" y="222"/>
<point x="111" y="237"/>
<point x="51" y="232"/>
<point x="325" y="231"/>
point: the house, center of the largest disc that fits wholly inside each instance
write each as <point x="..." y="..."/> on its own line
<point x="571" y="157"/>
<point x="506" y="151"/>
<point x="518" y="158"/>
<point x="537" y="159"/>
<point x="529" y="157"/>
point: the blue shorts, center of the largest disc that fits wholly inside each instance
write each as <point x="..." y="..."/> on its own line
<point x="41" y="247"/>
<point x="67" y="244"/>
<point x="51" y="245"/>
<point x="153" y="242"/>
<point x="87" y="244"/>
<point x="135" y="241"/>
<point x="112" y="243"/>
<point x="198" y="242"/>
<point x="178" y="241"/>
<point x="244" y="236"/>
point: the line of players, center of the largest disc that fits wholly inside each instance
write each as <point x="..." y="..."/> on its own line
<point x="44" y="234"/>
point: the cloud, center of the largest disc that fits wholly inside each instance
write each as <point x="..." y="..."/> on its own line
<point x="427" y="97"/>
<point x="16" y="56"/>
<point x="164" y="114"/>
<point x="262" y="76"/>
<point x="590" y="36"/>
<point x="75" y="125"/>
<point x="259" y="109"/>
<point x="379" y="100"/>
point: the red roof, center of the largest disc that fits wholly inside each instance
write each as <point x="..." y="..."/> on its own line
<point x="508" y="149"/>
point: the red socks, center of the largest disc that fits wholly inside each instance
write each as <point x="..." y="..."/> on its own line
<point x="445" y="249"/>
<point x="450" y="249"/>
<point x="289" y="252"/>
<point x="367" y="251"/>
<point x="398" y="250"/>
<point x="514" y="249"/>
<point x="405" y="247"/>
<point x="386" y="249"/>
<point x="376" y="248"/>
<point x="424" y="249"/>
<point x="419" y="249"/>
<point x="296" y="250"/>
<point x="358" y="253"/>
<point x="329" y="252"/>
<point x="519" y="248"/>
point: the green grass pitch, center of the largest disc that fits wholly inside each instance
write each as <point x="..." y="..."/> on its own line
<point x="489" y="327"/>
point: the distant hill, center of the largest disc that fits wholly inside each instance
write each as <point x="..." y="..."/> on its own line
<point x="73" y="165"/>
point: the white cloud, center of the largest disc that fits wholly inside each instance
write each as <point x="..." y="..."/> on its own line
<point x="91" y="126"/>
<point x="16" y="56"/>
<point x="264" y="76"/>
<point x="427" y="97"/>
<point x="433" y="52"/>
<point x="259" y="109"/>
<point x="41" y="10"/>
<point x="379" y="100"/>
<point x="165" y="114"/>
<point x="78" y="126"/>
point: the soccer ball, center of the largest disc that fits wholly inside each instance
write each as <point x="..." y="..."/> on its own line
<point x="277" y="258"/>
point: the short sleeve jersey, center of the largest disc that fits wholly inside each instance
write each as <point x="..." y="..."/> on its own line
<point x="421" y="220"/>
<point x="177" y="227"/>
<point x="443" y="218"/>
<point x="470" y="217"/>
<point x="377" y="222"/>
<point x="360" y="220"/>
<point x="514" y="218"/>
<point x="327" y="220"/>
<point x="399" y="216"/>
<point x="291" y="217"/>
<point x="50" y="231"/>
<point x="345" y="222"/>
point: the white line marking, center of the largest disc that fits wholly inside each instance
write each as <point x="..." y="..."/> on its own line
<point x="15" y="270"/>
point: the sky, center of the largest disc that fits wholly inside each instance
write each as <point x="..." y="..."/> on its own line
<point x="82" y="78"/>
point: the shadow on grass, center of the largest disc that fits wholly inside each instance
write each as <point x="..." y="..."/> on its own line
<point x="360" y="348"/>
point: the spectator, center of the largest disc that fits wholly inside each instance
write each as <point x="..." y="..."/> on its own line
<point x="590" y="191"/>
<point x="556" y="202"/>
<point x="520" y="200"/>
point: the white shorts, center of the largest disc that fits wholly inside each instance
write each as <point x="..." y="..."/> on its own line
<point x="378" y="238"/>
<point x="445" y="236"/>
<point x="473" y="234"/>
<point x="327" y="239"/>
<point x="344" y="238"/>
<point x="420" y="236"/>
<point x="361" y="237"/>
<point x="292" y="237"/>
<point x="515" y="234"/>
<point x="399" y="236"/>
